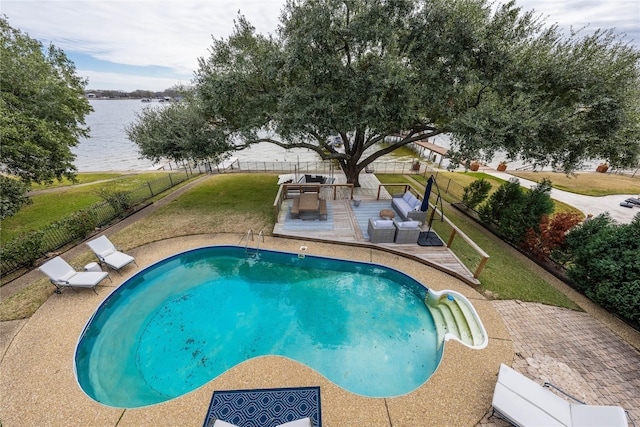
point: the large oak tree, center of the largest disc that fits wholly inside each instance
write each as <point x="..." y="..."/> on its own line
<point x="364" y="70"/>
<point x="42" y="111"/>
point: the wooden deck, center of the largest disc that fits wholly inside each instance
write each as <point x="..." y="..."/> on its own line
<point x="346" y="224"/>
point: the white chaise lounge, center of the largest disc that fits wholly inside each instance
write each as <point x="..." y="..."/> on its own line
<point x="109" y="254"/>
<point x="62" y="274"/>
<point x="523" y="402"/>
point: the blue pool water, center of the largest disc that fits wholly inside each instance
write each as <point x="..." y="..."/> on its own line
<point x="185" y="320"/>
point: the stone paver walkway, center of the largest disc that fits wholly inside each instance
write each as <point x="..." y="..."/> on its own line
<point x="573" y="351"/>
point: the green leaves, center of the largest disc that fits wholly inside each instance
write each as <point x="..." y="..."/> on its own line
<point x="42" y="108"/>
<point x="494" y="78"/>
<point x="13" y="196"/>
<point x="178" y="131"/>
<point x="513" y="210"/>
<point x="605" y="263"/>
<point x="476" y="192"/>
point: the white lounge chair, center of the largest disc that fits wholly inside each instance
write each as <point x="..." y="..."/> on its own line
<point x="62" y="274"/>
<point x="523" y="402"/>
<point x="109" y="254"/>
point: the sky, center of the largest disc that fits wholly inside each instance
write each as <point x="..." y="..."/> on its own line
<point x="155" y="45"/>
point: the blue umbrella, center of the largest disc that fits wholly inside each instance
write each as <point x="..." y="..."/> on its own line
<point x="427" y="193"/>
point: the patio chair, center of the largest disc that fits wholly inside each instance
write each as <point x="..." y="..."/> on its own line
<point x="523" y="402"/>
<point x="109" y="254"/>
<point x="407" y="231"/>
<point x="61" y="274"/>
<point x="381" y="230"/>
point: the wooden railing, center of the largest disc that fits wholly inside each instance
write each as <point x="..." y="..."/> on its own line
<point x="455" y="231"/>
<point x="405" y="188"/>
<point x="287" y="191"/>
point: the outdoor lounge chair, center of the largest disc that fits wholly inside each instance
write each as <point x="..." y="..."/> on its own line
<point x="407" y="232"/>
<point x="109" y="254"/>
<point x="62" y="274"/>
<point x="381" y="231"/>
<point x="523" y="402"/>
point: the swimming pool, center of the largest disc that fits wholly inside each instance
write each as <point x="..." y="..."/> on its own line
<point x="180" y="323"/>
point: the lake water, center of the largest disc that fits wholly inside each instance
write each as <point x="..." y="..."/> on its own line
<point x="109" y="149"/>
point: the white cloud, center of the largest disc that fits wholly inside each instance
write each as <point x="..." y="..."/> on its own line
<point x="622" y="15"/>
<point x="174" y="34"/>
<point x="166" y="33"/>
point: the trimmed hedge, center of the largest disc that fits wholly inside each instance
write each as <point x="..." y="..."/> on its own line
<point x="603" y="261"/>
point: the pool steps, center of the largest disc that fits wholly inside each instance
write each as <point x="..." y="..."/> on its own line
<point x="455" y="318"/>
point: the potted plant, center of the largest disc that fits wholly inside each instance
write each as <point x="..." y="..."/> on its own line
<point x="474" y="166"/>
<point x="502" y="166"/>
<point x="602" y="168"/>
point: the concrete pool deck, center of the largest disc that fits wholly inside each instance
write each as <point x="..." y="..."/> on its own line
<point x="572" y="349"/>
<point x="38" y="386"/>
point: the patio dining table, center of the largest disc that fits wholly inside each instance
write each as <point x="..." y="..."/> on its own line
<point x="309" y="203"/>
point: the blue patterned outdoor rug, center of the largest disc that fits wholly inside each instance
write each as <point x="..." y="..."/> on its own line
<point x="266" y="407"/>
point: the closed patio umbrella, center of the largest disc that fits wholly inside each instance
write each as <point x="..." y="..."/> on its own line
<point x="427" y="192"/>
<point x="429" y="238"/>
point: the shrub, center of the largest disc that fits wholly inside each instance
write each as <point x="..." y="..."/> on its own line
<point x="550" y="236"/>
<point x="476" y="192"/>
<point x="120" y="201"/>
<point x="604" y="263"/>
<point x="537" y="204"/>
<point x="503" y="210"/>
<point x="513" y="211"/>
<point x="13" y="196"/>
<point x="23" y="250"/>
<point x="78" y="225"/>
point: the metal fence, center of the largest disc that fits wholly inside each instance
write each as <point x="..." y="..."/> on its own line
<point x="24" y="250"/>
<point x="302" y="167"/>
<point x="453" y="189"/>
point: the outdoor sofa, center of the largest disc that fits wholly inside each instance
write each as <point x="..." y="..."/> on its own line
<point x="408" y="207"/>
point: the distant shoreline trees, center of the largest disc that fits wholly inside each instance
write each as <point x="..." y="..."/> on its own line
<point x="173" y="93"/>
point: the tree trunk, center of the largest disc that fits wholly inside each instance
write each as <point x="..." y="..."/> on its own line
<point x="352" y="173"/>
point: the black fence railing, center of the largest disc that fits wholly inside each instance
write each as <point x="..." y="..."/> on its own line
<point x="305" y="167"/>
<point x="24" y="250"/>
<point x="451" y="188"/>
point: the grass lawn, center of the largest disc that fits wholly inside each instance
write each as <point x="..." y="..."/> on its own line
<point x="220" y="204"/>
<point x="81" y="178"/>
<point x="236" y="203"/>
<point x="588" y="183"/>
<point x="64" y="201"/>
<point x="506" y="275"/>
